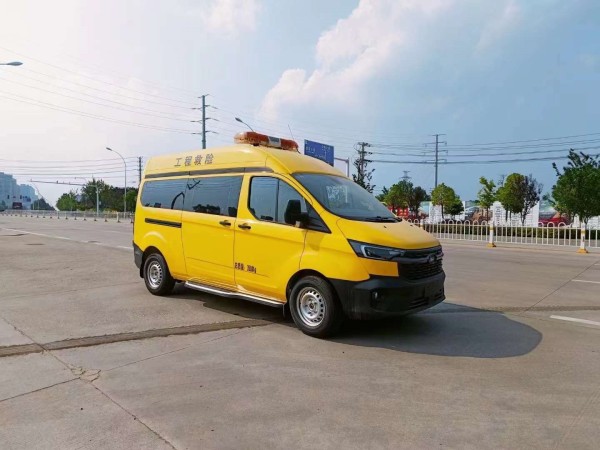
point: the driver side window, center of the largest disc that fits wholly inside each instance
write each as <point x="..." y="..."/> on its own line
<point x="269" y="198"/>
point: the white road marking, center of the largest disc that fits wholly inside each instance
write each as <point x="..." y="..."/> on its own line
<point x="120" y="247"/>
<point x="573" y="319"/>
<point x="587" y="281"/>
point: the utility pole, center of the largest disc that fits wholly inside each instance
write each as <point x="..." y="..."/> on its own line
<point x="203" y="121"/>
<point x="140" y="170"/>
<point x="361" y="157"/>
<point x="437" y="143"/>
<point x="406" y="176"/>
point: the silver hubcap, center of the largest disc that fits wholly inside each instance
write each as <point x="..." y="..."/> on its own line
<point x="311" y="307"/>
<point x="155" y="274"/>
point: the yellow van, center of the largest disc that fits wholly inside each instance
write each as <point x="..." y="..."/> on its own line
<point x="262" y="222"/>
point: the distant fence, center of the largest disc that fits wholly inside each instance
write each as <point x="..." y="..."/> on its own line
<point x="549" y="234"/>
<point x="73" y="215"/>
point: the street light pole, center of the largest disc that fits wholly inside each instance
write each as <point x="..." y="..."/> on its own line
<point x="125" y="187"/>
<point x="241" y="121"/>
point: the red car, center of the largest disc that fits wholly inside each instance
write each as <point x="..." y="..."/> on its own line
<point x="551" y="219"/>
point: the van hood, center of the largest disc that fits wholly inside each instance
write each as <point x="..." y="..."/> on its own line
<point x="401" y="235"/>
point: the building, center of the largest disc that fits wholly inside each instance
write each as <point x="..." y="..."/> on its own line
<point x="28" y="195"/>
<point x="11" y="192"/>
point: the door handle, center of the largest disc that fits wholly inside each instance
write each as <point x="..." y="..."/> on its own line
<point x="225" y="223"/>
<point x="244" y="226"/>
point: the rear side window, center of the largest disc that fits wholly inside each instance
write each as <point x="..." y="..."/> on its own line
<point x="165" y="194"/>
<point x="269" y="198"/>
<point x="214" y="195"/>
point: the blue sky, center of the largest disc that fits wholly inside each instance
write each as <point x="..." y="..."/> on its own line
<point x="390" y="73"/>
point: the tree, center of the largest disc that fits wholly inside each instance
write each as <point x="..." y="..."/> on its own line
<point x="363" y="175"/>
<point x="487" y="194"/>
<point x="88" y="193"/>
<point x="381" y="197"/>
<point x="131" y="197"/>
<point x="577" y="190"/>
<point x="443" y="196"/>
<point x="511" y="193"/>
<point x="67" y="202"/>
<point x="519" y="194"/>
<point x="531" y="196"/>
<point x="417" y="196"/>
<point x="456" y="207"/>
<point x="42" y="204"/>
<point x="399" y="194"/>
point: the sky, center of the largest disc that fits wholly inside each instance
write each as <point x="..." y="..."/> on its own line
<point x="499" y="80"/>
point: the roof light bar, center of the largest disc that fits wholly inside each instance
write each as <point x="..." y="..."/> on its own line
<point x="253" y="138"/>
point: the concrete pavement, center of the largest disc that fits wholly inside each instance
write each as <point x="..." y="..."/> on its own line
<point x="489" y="368"/>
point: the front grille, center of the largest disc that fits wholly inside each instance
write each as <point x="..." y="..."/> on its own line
<point x="417" y="271"/>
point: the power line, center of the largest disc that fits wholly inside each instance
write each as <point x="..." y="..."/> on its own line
<point x="93" y="102"/>
<point x="88" y="95"/>
<point x="128" y="77"/>
<point x="530" y="140"/>
<point x="87" y="86"/>
<point x="63" y="161"/>
<point x="79" y="74"/>
<point x="252" y="112"/>
<point x="84" y="114"/>
<point x="499" y="161"/>
<point x="455" y="155"/>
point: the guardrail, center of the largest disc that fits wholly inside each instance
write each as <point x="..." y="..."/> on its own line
<point x="555" y="235"/>
<point x="562" y="235"/>
<point x="70" y="215"/>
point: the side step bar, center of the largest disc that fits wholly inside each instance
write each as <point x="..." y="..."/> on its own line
<point x="231" y="294"/>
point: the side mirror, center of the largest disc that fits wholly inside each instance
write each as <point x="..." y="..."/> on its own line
<point x="293" y="214"/>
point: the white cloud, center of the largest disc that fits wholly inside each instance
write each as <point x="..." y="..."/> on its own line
<point x="231" y="16"/>
<point x="590" y="61"/>
<point x="355" y="50"/>
<point x="500" y="26"/>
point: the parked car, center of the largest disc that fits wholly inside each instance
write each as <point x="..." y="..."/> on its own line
<point x="470" y="212"/>
<point x="553" y="219"/>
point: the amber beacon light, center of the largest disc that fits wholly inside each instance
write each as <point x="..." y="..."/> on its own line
<point x="253" y="138"/>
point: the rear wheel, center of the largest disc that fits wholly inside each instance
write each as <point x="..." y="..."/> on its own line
<point x="314" y="308"/>
<point x="157" y="276"/>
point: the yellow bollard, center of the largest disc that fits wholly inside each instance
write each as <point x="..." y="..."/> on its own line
<point x="582" y="248"/>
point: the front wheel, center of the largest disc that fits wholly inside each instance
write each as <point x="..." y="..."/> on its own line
<point x="157" y="276"/>
<point x="314" y="308"/>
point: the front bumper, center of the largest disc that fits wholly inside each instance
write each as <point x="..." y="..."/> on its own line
<point x="389" y="296"/>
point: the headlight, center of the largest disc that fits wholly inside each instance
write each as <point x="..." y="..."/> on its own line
<point x="371" y="251"/>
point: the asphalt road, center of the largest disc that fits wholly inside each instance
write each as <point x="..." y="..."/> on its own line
<point x="510" y="360"/>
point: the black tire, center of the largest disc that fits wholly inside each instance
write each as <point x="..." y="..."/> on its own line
<point x="157" y="277"/>
<point x="314" y="307"/>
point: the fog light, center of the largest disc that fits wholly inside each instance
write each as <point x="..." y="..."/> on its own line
<point x="375" y="295"/>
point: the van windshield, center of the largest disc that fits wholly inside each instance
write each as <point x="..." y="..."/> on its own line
<point x="345" y="198"/>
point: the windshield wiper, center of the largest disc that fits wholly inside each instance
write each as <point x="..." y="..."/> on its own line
<point x="381" y="219"/>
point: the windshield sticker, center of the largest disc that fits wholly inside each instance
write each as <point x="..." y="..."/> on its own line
<point x="337" y="195"/>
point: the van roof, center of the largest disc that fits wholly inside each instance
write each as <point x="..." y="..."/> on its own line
<point x="235" y="158"/>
